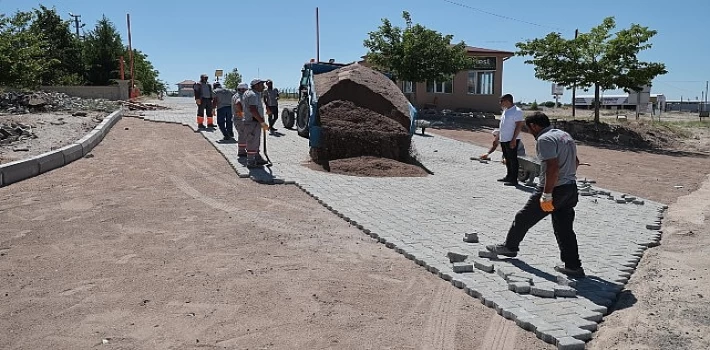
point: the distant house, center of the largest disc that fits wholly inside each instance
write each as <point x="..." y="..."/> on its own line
<point x="476" y="89"/>
<point x="185" y="88"/>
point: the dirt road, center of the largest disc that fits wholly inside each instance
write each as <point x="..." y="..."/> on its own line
<point x="154" y="243"/>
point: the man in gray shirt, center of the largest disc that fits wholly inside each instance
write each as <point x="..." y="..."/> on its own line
<point x="223" y="102"/>
<point x="556" y="194"/>
<point x="271" y="100"/>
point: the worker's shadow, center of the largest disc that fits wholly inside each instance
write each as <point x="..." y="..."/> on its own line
<point x="593" y="288"/>
<point x="276" y="134"/>
<point x="262" y="174"/>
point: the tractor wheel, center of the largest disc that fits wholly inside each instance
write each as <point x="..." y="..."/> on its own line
<point x="302" y="116"/>
<point x="287" y="118"/>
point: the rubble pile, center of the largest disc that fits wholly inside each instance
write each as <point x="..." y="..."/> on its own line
<point x="12" y="132"/>
<point x="12" y="102"/>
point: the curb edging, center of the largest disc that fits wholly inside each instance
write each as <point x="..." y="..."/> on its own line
<point x="26" y="168"/>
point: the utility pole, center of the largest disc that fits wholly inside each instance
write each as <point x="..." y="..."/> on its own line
<point x="76" y="23"/>
<point x="317" y="37"/>
<point x="574" y="87"/>
<point x="130" y="57"/>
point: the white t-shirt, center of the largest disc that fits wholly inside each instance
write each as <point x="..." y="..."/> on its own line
<point x="496" y="132"/>
<point x="507" y="123"/>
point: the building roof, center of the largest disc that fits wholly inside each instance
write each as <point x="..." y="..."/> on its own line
<point x="186" y="82"/>
<point x="472" y="49"/>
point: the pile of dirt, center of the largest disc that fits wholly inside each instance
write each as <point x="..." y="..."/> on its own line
<point x="631" y="135"/>
<point x="375" y="167"/>
<point x="352" y="131"/>
<point x="362" y="114"/>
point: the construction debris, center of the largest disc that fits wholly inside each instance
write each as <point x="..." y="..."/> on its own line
<point x="13" y="102"/>
<point x="133" y="105"/>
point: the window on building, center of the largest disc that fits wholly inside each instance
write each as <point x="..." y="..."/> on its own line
<point x="409" y="87"/>
<point x="436" y="87"/>
<point x="481" y="82"/>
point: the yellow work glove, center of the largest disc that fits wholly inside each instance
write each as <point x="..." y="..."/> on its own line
<point x="265" y="126"/>
<point x="240" y="114"/>
<point x="546" y="202"/>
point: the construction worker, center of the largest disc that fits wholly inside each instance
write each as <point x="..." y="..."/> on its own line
<point x="271" y="100"/>
<point x="254" y="122"/>
<point x="204" y="97"/>
<point x="496" y="142"/>
<point x="223" y="102"/>
<point x="238" y="112"/>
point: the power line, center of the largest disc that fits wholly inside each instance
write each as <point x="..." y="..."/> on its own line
<point x="503" y="16"/>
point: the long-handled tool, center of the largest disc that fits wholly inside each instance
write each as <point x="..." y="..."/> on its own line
<point x="269" y="164"/>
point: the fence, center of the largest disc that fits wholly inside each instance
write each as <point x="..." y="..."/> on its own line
<point x="288" y="93"/>
<point x="113" y="92"/>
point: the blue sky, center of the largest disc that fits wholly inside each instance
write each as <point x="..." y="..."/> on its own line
<point x="272" y="39"/>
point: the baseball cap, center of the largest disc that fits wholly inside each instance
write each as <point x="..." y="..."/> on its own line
<point x="242" y="86"/>
<point x="256" y="81"/>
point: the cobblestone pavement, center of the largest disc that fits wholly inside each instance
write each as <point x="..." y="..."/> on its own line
<point x="426" y="219"/>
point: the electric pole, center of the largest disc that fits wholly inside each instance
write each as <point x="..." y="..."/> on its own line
<point x="76" y="23"/>
<point x="574" y="87"/>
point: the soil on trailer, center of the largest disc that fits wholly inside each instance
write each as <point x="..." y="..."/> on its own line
<point x="351" y="131"/>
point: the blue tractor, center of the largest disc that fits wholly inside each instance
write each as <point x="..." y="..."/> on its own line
<point x="305" y="116"/>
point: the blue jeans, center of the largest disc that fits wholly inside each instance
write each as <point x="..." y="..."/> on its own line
<point x="224" y="121"/>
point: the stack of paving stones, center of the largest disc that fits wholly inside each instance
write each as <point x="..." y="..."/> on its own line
<point x="443" y="222"/>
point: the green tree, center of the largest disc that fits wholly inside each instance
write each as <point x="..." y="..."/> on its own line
<point x="102" y="50"/>
<point x="62" y="49"/>
<point x="415" y="53"/>
<point x="144" y="73"/>
<point x="232" y="79"/>
<point x="21" y="52"/>
<point x="597" y="59"/>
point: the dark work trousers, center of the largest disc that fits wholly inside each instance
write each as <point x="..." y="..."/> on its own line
<point x="511" y="161"/>
<point x="224" y="121"/>
<point x="564" y="199"/>
<point x="274" y="115"/>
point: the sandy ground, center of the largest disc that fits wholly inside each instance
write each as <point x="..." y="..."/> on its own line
<point x="53" y="130"/>
<point x="665" y="303"/>
<point x="154" y="243"/>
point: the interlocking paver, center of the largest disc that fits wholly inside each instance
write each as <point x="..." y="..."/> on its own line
<point x="424" y="218"/>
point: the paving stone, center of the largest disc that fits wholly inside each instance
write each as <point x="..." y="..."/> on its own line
<point x="527" y="323"/>
<point x="456" y="257"/>
<point x="483" y="265"/>
<point x="519" y="287"/>
<point x="653" y="227"/>
<point x="578" y="333"/>
<point x="471" y="237"/>
<point x="461" y="267"/>
<point x="543" y="291"/>
<point x="486" y="254"/>
<point x="565" y="292"/>
<point x="504" y="272"/>
<point x="565" y="281"/>
<point x="569" y="343"/>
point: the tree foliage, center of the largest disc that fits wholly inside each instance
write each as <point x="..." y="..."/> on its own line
<point x="596" y="59"/>
<point x="145" y="74"/>
<point x="62" y="49"/>
<point x="415" y="53"/>
<point x="102" y="50"/>
<point x="21" y="52"/>
<point x="38" y="48"/>
<point x="232" y="79"/>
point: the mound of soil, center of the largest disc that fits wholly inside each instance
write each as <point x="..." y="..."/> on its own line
<point x="375" y="167"/>
<point x="365" y="87"/>
<point x="352" y="131"/>
<point x="633" y="134"/>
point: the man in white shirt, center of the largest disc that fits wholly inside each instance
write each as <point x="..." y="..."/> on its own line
<point x="511" y="123"/>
